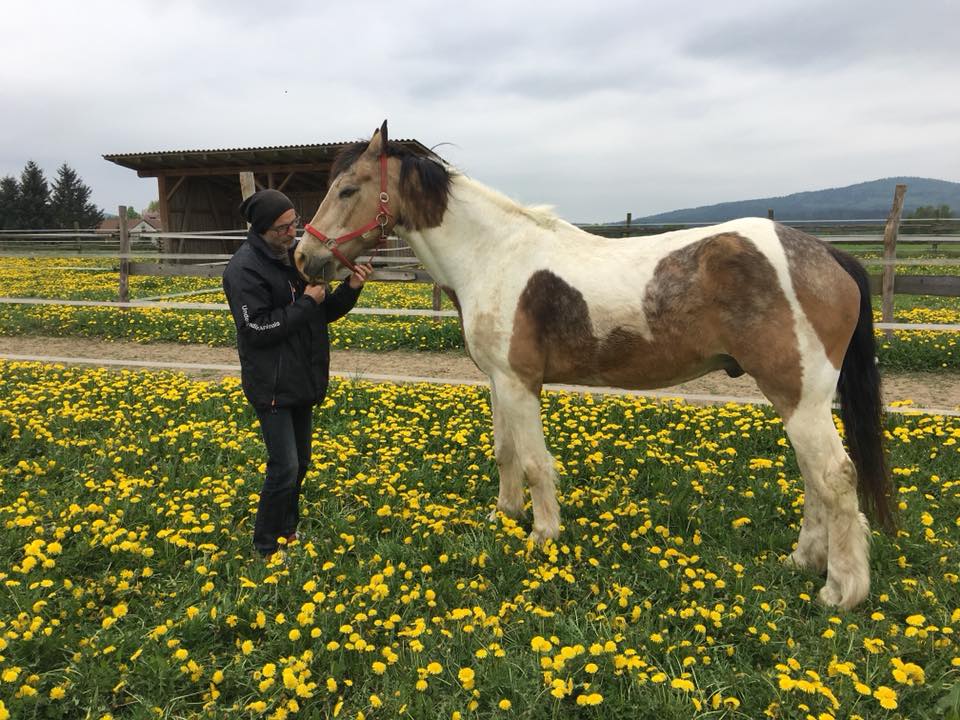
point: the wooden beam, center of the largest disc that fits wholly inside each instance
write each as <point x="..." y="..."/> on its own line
<point x="211" y="201"/>
<point x="184" y="218"/>
<point x="890" y="252"/>
<point x="191" y="270"/>
<point x="286" y="180"/>
<point x="248" y="187"/>
<point x="176" y="186"/>
<point x="323" y="167"/>
<point x="941" y="285"/>
<point x="164" y="203"/>
<point x="247" y="184"/>
<point x="123" y="292"/>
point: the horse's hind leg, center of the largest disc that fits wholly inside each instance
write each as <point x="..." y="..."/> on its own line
<point x="830" y="482"/>
<point x="811" y="551"/>
<point x="510" y="498"/>
<point x="518" y="410"/>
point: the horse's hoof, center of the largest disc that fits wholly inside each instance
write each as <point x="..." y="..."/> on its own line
<point x="541" y="535"/>
<point x="830" y="596"/>
<point x="515" y="515"/>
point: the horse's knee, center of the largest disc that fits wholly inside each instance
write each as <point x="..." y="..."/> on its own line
<point x="539" y="472"/>
<point x="505" y="454"/>
<point x="840" y="485"/>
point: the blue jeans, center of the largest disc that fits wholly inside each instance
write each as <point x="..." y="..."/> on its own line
<point x="287" y="434"/>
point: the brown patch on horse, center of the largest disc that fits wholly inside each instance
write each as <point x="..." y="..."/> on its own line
<point x="424" y="192"/>
<point x="715" y="304"/>
<point x="552" y="336"/>
<point x="828" y="295"/>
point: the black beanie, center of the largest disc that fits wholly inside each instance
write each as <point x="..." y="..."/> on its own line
<point x="263" y="208"/>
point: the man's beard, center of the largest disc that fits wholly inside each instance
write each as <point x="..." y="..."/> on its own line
<point x="281" y="247"/>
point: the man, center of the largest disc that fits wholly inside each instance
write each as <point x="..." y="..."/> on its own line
<point x="284" y="352"/>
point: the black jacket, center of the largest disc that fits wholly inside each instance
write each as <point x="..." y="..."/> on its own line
<point x="282" y="334"/>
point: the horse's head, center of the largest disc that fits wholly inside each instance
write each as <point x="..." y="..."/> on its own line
<point x="374" y="186"/>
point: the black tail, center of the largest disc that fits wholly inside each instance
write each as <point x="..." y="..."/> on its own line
<point x="861" y="406"/>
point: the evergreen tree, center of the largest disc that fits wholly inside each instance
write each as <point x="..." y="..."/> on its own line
<point x="33" y="206"/>
<point x="9" y="196"/>
<point x="71" y="201"/>
<point x="931" y="212"/>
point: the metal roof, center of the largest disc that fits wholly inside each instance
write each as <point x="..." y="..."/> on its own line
<point x="157" y="162"/>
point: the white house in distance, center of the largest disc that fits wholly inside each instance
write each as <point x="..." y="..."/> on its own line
<point x="150" y="222"/>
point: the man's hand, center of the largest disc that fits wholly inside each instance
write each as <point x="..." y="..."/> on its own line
<point x="358" y="278"/>
<point x="317" y="292"/>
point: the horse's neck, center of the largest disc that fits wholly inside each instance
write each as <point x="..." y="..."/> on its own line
<point x="479" y="227"/>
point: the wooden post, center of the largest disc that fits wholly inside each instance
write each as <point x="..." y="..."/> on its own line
<point x="629" y="219"/>
<point x="162" y="187"/>
<point x="770" y="214"/>
<point x="247" y="184"/>
<point x="124" y="292"/>
<point x="248" y="187"/>
<point x="436" y="301"/>
<point x="890" y="253"/>
<point x="76" y="239"/>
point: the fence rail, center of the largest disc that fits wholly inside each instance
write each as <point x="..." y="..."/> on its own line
<point x="401" y="312"/>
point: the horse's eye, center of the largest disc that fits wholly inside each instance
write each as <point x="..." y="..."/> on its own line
<point x="347" y="192"/>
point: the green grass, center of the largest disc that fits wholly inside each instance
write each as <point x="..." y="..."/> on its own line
<point x="131" y="589"/>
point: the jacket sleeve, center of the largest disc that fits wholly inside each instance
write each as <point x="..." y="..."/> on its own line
<point x="341" y="301"/>
<point x="256" y="319"/>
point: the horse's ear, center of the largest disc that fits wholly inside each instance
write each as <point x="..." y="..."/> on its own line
<point x="378" y="143"/>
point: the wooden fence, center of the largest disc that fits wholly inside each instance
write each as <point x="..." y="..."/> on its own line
<point x="138" y="254"/>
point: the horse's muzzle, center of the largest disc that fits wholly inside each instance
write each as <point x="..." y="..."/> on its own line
<point x="312" y="268"/>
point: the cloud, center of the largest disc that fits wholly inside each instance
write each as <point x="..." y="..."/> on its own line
<point x="599" y="109"/>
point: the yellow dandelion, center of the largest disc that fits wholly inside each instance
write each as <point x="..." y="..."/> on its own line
<point x="466" y="677"/>
<point x="887" y="697"/>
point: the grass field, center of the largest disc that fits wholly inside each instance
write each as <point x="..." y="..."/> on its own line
<point x="131" y="590"/>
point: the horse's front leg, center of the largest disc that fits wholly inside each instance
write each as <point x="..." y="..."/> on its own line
<point x="510" y="498"/>
<point x="518" y="408"/>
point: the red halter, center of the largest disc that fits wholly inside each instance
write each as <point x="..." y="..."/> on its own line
<point x="333" y="244"/>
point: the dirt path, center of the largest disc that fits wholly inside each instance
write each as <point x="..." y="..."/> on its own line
<point x="929" y="390"/>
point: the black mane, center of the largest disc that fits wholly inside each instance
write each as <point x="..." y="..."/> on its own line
<point x="424" y="180"/>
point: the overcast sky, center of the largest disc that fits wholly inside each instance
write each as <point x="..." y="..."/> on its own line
<point x="598" y="108"/>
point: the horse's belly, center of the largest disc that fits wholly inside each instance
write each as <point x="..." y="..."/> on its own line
<point x="631" y="363"/>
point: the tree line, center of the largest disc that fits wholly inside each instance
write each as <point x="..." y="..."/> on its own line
<point x="31" y="204"/>
<point x="932" y="212"/>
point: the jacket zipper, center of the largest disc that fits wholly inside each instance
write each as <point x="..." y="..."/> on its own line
<point x="276" y="383"/>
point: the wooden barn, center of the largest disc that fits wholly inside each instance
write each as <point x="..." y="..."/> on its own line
<point x="201" y="190"/>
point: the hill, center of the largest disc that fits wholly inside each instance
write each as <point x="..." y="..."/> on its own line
<point x="867" y="200"/>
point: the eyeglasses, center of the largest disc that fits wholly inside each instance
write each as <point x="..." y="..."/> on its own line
<point x="285" y="228"/>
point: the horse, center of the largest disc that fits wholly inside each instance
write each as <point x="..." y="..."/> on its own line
<point x="542" y="301"/>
